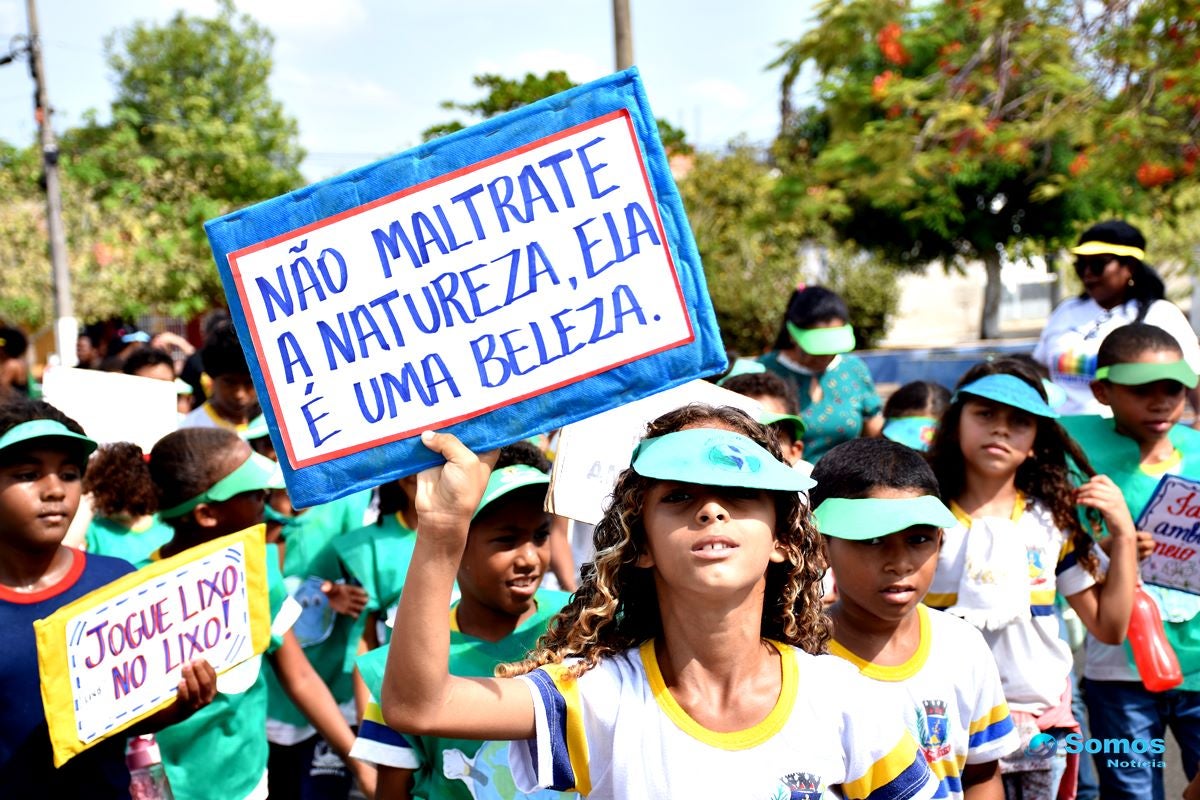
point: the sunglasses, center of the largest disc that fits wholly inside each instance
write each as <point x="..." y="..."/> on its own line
<point x="1094" y="265"/>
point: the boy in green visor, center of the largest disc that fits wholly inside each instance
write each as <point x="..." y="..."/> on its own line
<point x="498" y="618"/>
<point x="877" y="505"/>
<point x="1142" y="376"/>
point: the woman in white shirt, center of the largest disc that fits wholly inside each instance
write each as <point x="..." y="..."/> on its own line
<point x="1119" y="288"/>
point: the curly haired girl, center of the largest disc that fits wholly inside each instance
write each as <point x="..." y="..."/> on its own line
<point x="123" y="497"/>
<point x="1005" y="469"/>
<point x="692" y="636"/>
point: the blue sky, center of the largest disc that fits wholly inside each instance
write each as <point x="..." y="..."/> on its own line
<point x="364" y="77"/>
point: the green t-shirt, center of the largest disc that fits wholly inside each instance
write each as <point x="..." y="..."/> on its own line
<point x="1117" y="456"/>
<point x="469" y="657"/>
<point x="221" y="750"/>
<point x="108" y="537"/>
<point x="309" y="559"/>
<point x="377" y="557"/>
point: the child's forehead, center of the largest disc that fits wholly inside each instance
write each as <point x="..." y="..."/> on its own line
<point x="41" y="451"/>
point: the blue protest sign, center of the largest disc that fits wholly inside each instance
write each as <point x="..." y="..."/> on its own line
<point x="499" y="282"/>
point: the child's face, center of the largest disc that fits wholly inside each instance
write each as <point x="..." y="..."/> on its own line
<point x="39" y="494"/>
<point x="995" y="438"/>
<point x="507" y="553"/>
<point x="238" y="512"/>
<point x="233" y="395"/>
<point x="1146" y="412"/>
<point x="885" y="578"/>
<point x="705" y="537"/>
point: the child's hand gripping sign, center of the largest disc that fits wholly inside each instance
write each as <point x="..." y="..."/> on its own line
<point x="496" y="283"/>
<point x="115" y="656"/>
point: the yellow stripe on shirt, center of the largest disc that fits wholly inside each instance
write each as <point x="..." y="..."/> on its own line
<point x="887" y="769"/>
<point x="577" y="746"/>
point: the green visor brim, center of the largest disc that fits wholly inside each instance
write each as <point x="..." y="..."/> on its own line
<point x="27" y="432"/>
<point x="1141" y="373"/>
<point x="868" y="518"/>
<point x="791" y="420"/>
<point x="508" y="479"/>
<point x="1009" y="390"/>
<point x="256" y="473"/>
<point x="823" y="341"/>
<point x="712" y="457"/>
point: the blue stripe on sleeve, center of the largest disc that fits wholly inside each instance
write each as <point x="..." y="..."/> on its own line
<point x="908" y="783"/>
<point x="1041" y="611"/>
<point x="1067" y="561"/>
<point x="991" y="733"/>
<point x="556" y="718"/>
<point x="382" y="734"/>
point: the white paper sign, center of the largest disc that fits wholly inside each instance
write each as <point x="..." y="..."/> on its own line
<point x="113" y="407"/>
<point x="525" y="272"/>
<point x="125" y="656"/>
<point x="592" y="453"/>
<point x="1173" y="516"/>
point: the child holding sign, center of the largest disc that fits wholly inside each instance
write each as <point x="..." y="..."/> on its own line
<point x="877" y="505"/>
<point x="1002" y="462"/>
<point x="690" y="637"/>
<point x="1142" y="376"/>
<point x="498" y="619"/>
<point x="210" y="484"/>
<point x="43" y="454"/>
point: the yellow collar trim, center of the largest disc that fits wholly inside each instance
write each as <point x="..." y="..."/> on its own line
<point x="454" y="619"/>
<point x="898" y="672"/>
<point x="222" y="422"/>
<point x="730" y="740"/>
<point x="1017" y="510"/>
<point x="1165" y="466"/>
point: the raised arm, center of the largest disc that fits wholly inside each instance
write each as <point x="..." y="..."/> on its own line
<point x="419" y="694"/>
<point x="1105" y="608"/>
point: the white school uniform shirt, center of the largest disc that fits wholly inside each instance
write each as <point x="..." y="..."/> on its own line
<point x="1073" y="334"/>
<point x="1034" y="661"/>
<point x="953" y="696"/>
<point x="616" y="732"/>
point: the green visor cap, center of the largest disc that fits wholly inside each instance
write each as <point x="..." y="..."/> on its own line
<point x="1138" y="374"/>
<point x="509" y="479"/>
<point x="255" y="474"/>
<point x="256" y="428"/>
<point x="792" y="421"/>
<point x="46" y="429"/>
<point x="869" y="517"/>
<point x="1011" y="391"/>
<point x="712" y="457"/>
<point x="823" y="341"/>
<point x="1098" y="248"/>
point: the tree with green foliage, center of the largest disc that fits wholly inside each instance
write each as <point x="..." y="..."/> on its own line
<point x="194" y="133"/>
<point x="507" y="94"/>
<point x="946" y="131"/>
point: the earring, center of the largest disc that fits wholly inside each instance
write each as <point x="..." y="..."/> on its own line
<point x="1130" y="282"/>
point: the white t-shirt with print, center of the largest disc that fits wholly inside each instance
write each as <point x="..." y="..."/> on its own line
<point x="616" y="732"/>
<point x="1072" y="337"/>
<point x="1034" y="661"/>
<point x="954" y="698"/>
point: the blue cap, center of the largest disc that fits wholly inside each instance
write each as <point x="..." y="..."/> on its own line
<point x="1011" y="391"/>
<point x="914" y="432"/>
<point x="715" y="457"/>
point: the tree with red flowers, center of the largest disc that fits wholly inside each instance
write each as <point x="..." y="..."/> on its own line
<point x="951" y="131"/>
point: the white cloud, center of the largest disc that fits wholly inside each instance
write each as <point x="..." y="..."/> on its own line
<point x="306" y="16"/>
<point x="579" y="67"/>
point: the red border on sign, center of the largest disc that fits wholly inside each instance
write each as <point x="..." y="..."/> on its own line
<point x="355" y="448"/>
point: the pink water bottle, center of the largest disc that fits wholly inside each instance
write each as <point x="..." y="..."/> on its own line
<point x="1152" y="653"/>
<point x="147" y="778"/>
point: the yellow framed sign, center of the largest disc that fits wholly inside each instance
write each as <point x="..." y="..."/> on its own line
<point x="114" y="657"/>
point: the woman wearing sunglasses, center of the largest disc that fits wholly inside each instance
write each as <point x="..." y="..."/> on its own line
<point x="1118" y="288"/>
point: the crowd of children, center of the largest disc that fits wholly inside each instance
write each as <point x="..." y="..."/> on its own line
<point x="415" y="654"/>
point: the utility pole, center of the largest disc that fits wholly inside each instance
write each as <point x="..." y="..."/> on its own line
<point x="66" y="327"/>
<point x="622" y="34"/>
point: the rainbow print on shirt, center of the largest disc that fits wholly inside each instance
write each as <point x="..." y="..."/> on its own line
<point x="1071" y="362"/>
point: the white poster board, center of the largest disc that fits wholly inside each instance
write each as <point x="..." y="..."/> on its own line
<point x="593" y="452"/>
<point x="112" y="406"/>
<point x="1173" y="516"/>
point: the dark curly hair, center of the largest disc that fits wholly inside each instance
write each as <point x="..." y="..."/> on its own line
<point x="616" y="606"/>
<point x="119" y="482"/>
<point x="21" y="409"/>
<point x="1050" y="475"/>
